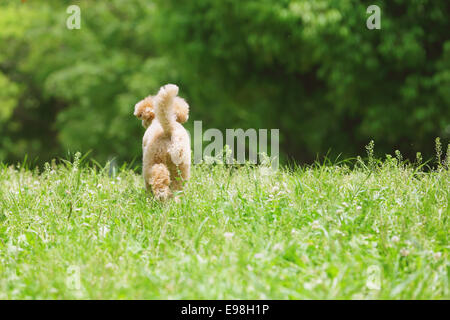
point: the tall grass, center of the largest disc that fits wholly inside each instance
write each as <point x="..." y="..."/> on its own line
<point x="365" y="229"/>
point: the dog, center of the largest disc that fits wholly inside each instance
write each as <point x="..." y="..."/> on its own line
<point x="166" y="145"/>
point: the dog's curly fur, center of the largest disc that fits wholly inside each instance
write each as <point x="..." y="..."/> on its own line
<point x="166" y="146"/>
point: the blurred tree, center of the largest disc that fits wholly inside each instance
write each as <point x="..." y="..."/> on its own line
<point x="313" y="69"/>
<point x="310" y="68"/>
<point x="79" y="86"/>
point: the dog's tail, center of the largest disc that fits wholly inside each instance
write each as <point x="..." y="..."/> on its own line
<point x="164" y="107"/>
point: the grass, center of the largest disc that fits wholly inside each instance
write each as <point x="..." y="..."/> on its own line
<point x="377" y="231"/>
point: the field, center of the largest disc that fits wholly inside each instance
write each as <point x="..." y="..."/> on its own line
<point x="372" y="230"/>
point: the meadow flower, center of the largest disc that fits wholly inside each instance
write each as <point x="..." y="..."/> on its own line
<point x="22" y="238"/>
<point x="312" y="284"/>
<point x="38" y="219"/>
<point x="278" y="247"/>
<point x="275" y="189"/>
<point x="265" y="171"/>
<point x="395" y="239"/>
<point x="228" y="235"/>
<point x="13" y="249"/>
<point x="315" y="225"/>
<point x="259" y="255"/>
<point x="308" y="285"/>
<point x="437" y="255"/>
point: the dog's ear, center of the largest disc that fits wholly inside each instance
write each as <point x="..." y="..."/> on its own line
<point x="144" y="110"/>
<point x="181" y="109"/>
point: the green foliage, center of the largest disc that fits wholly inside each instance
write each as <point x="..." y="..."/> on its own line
<point x="243" y="233"/>
<point x="313" y="69"/>
<point x="309" y="68"/>
<point x="8" y="96"/>
<point x="80" y="86"/>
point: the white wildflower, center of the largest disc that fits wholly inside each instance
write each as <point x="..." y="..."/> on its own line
<point x="228" y="235"/>
<point x="22" y="238"/>
<point x="437" y="255"/>
<point x="315" y="225"/>
<point x="278" y="247"/>
<point x="259" y="255"/>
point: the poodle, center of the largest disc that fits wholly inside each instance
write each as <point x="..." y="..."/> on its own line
<point x="166" y="146"/>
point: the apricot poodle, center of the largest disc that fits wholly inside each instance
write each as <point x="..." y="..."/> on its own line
<point x="166" y="146"/>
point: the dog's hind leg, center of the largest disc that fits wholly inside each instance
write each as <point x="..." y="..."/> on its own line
<point x="159" y="179"/>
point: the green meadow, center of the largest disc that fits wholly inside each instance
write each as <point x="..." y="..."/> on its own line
<point x="366" y="230"/>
